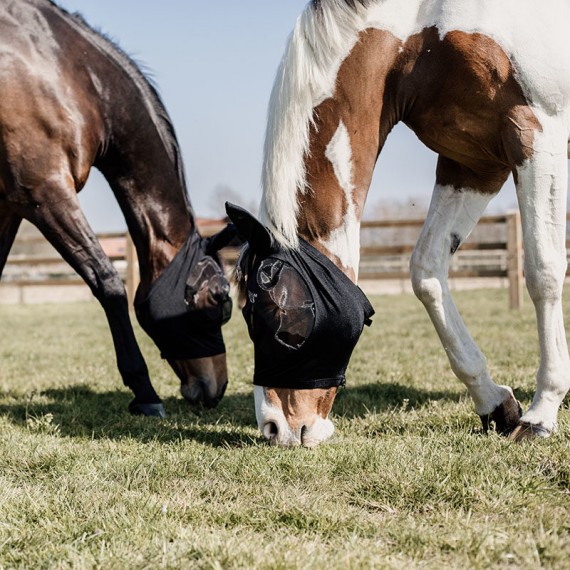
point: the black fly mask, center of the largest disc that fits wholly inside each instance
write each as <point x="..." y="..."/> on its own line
<point x="189" y="301"/>
<point x="304" y="315"/>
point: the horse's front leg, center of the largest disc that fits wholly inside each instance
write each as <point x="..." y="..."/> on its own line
<point x="541" y="189"/>
<point x="62" y="222"/>
<point x="451" y="218"/>
<point x="9" y="224"/>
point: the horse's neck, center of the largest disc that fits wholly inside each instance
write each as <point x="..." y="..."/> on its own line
<point x="138" y="152"/>
<point x="150" y="192"/>
<point x="328" y="119"/>
<point x="345" y="137"/>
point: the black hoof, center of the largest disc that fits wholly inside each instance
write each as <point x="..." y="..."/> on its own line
<point x="504" y="418"/>
<point x="149" y="410"/>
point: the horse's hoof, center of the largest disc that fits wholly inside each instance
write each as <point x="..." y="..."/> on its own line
<point x="525" y="431"/>
<point x="149" y="410"/>
<point x="505" y="417"/>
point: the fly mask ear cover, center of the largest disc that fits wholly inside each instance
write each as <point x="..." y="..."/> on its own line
<point x="303" y="313"/>
<point x="189" y="301"/>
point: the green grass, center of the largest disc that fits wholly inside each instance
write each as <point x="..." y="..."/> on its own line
<point x="408" y="480"/>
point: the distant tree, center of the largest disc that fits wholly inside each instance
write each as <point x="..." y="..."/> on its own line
<point x="409" y="209"/>
<point x="223" y="193"/>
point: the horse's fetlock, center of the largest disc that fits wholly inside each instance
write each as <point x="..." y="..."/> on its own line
<point x="114" y="287"/>
<point x="473" y="374"/>
<point x="133" y="373"/>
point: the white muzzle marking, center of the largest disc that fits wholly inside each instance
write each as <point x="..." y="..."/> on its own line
<point x="275" y="427"/>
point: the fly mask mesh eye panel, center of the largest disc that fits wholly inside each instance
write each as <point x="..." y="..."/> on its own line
<point x="288" y="307"/>
<point x="187" y="304"/>
<point x="206" y="288"/>
<point x="305" y="317"/>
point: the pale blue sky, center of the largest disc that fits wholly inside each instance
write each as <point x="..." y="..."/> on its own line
<point x="214" y="62"/>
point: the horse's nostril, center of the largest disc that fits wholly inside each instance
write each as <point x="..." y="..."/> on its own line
<point x="199" y="393"/>
<point x="194" y="393"/>
<point x="222" y="391"/>
<point x="303" y="433"/>
<point x="270" y="430"/>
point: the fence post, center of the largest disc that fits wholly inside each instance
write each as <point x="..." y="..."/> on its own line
<point x="515" y="259"/>
<point x="132" y="277"/>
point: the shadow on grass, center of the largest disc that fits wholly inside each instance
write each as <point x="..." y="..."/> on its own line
<point x="354" y="402"/>
<point x="80" y="412"/>
<point x="357" y="401"/>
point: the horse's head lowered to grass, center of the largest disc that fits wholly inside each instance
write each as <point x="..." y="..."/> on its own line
<point x="304" y="316"/>
<point x="183" y="312"/>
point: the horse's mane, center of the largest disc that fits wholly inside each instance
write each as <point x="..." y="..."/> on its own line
<point x="323" y="36"/>
<point x="351" y="3"/>
<point x="141" y="79"/>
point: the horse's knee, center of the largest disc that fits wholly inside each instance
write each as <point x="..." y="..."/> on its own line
<point x="428" y="290"/>
<point x="545" y="280"/>
<point x="426" y="282"/>
<point x="111" y="290"/>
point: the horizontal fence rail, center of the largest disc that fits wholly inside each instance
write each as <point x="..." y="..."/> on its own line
<point x="486" y="254"/>
<point x="34" y="263"/>
<point x="494" y="250"/>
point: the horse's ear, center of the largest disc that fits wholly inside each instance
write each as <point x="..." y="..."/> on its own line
<point x="222" y="239"/>
<point x="250" y="229"/>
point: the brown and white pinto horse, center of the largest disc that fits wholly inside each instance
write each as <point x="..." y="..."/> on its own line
<point x="70" y="99"/>
<point x="484" y="84"/>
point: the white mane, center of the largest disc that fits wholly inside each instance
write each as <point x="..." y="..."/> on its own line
<point x="321" y="40"/>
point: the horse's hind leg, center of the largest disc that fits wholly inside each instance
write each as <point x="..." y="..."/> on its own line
<point x="450" y="220"/>
<point x="541" y="190"/>
<point x="64" y="225"/>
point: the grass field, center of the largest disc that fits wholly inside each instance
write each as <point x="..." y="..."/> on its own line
<point x="408" y="480"/>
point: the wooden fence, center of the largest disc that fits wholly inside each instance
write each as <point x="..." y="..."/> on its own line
<point x="34" y="263"/>
<point x="482" y="256"/>
<point x="500" y="256"/>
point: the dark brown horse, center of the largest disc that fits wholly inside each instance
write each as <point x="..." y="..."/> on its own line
<point x="70" y="99"/>
<point x="486" y="85"/>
